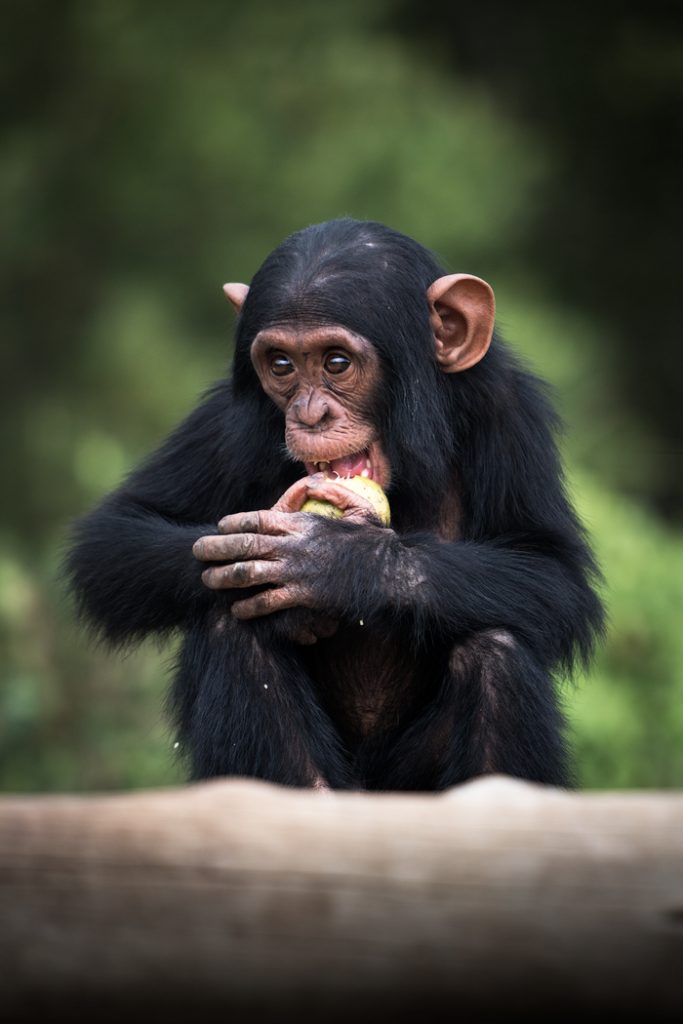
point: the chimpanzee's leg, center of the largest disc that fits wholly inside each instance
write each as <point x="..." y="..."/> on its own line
<point x="496" y="712"/>
<point x="245" y="706"/>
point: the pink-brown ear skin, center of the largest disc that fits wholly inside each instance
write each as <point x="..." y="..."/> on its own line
<point x="462" y="311"/>
<point x="236" y="294"/>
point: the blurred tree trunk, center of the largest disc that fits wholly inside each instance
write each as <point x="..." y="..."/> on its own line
<point x="494" y="900"/>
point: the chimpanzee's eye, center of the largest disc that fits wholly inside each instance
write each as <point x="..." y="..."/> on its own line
<point x="280" y="365"/>
<point x="337" y="362"/>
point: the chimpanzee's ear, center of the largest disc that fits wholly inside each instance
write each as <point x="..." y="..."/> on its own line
<point x="236" y="294"/>
<point x="462" y="311"/>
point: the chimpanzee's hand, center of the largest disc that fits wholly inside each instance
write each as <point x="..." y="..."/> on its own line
<point x="282" y="549"/>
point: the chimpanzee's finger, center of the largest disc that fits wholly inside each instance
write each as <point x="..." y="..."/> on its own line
<point x="232" y="547"/>
<point x="263" y="521"/>
<point x="305" y="638"/>
<point x="325" y="626"/>
<point x="267" y="602"/>
<point x="242" y="574"/>
<point x="349" y="502"/>
<point x="296" y="495"/>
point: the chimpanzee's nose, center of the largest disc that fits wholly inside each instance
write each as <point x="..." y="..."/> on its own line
<point x="311" y="409"/>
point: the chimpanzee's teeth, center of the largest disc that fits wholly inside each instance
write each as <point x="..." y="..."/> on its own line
<point x="324" y="467"/>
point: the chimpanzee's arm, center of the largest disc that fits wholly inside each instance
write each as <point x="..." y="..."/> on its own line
<point x="133" y="571"/>
<point x="537" y="587"/>
<point x="130" y="563"/>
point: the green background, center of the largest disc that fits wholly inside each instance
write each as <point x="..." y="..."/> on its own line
<point x="152" y="151"/>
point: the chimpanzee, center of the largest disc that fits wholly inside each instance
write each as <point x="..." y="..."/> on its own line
<point x="343" y="653"/>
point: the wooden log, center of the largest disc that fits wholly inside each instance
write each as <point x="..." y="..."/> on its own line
<point x="497" y="900"/>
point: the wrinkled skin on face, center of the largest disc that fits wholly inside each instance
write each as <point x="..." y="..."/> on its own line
<point x="324" y="379"/>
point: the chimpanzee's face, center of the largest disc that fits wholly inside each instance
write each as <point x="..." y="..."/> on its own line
<point x="324" y="379"/>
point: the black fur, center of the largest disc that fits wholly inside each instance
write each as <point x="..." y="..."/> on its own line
<point x="460" y="639"/>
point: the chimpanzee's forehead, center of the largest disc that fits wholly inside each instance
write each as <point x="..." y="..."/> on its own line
<point x="306" y="336"/>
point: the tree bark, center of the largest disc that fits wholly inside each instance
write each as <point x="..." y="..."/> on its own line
<point x="497" y="900"/>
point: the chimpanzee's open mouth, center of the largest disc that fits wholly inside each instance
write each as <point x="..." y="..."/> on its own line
<point x="357" y="464"/>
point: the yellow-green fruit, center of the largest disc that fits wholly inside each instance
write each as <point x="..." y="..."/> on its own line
<point x="362" y="485"/>
<point x="321" y="508"/>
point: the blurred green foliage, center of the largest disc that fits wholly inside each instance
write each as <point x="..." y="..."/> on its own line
<point x="151" y="152"/>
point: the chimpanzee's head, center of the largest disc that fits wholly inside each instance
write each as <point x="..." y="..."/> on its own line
<point x="350" y="328"/>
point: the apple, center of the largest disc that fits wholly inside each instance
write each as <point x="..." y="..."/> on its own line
<point x="363" y="486"/>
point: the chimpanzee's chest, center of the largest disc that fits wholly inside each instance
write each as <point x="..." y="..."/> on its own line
<point x="369" y="680"/>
